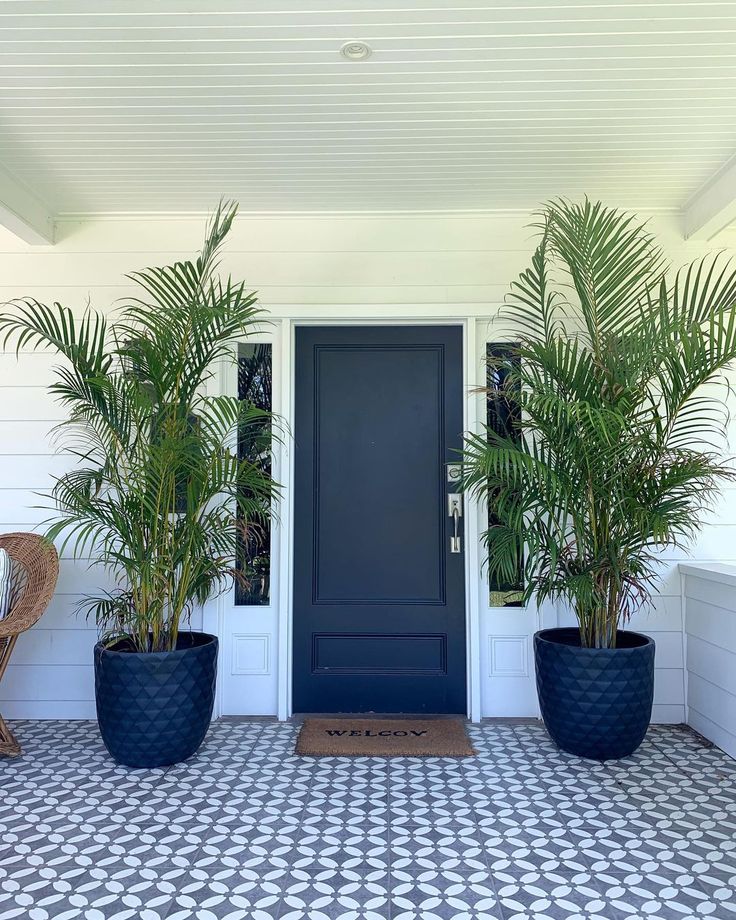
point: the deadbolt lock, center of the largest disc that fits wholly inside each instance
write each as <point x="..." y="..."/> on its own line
<point x="454" y="472"/>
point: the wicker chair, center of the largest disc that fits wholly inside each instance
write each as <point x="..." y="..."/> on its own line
<point x="38" y="569"/>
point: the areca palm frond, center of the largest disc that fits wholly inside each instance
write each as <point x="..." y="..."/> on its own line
<point x="160" y="494"/>
<point x="619" y="378"/>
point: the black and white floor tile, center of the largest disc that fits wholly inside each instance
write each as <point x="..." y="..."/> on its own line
<point x="246" y="830"/>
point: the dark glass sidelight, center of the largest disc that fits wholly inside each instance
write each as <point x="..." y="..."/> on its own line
<point x="502" y="416"/>
<point x="255" y="379"/>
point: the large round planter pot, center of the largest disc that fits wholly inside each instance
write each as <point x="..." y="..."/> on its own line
<point x="595" y="702"/>
<point x="154" y="708"/>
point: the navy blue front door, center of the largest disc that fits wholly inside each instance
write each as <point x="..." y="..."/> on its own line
<point x="379" y="599"/>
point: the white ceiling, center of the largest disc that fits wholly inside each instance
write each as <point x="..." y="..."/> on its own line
<point x="165" y="105"/>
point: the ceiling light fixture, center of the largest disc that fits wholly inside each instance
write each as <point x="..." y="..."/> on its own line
<point x="356" y="51"/>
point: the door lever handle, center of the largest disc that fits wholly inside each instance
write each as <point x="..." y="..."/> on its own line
<point x="455" y="511"/>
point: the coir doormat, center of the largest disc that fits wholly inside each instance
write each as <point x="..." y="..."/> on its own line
<point x="383" y="738"/>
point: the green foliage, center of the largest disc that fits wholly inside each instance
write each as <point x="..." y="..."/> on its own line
<point x="621" y="385"/>
<point x="159" y="484"/>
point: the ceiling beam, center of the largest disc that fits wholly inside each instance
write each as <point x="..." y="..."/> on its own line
<point x="713" y="207"/>
<point x="23" y="213"/>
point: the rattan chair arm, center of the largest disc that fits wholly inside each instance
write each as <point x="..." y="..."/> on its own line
<point x="41" y="564"/>
<point x="9" y="628"/>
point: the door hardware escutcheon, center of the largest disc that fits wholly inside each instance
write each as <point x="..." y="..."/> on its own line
<point x="455" y="511"/>
<point x="454" y="472"/>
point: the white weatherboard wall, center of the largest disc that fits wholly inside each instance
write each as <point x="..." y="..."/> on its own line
<point x="378" y="267"/>
<point x="709" y="599"/>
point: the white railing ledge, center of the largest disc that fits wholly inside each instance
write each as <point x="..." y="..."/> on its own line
<point x="721" y="572"/>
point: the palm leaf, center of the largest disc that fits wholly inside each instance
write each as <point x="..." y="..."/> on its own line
<point x="621" y="387"/>
<point x="158" y="495"/>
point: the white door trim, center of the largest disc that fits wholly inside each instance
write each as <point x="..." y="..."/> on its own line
<point x="472" y="532"/>
<point x="285" y="467"/>
<point x="284" y="464"/>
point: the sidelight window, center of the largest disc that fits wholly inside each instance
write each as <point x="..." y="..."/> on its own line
<point x="502" y="415"/>
<point x="254" y="443"/>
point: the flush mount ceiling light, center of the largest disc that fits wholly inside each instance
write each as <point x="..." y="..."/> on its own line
<point x="356" y="51"/>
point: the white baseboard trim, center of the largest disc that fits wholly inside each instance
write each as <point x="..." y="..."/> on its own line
<point x="668" y="714"/>
<point x="48" y="709"/>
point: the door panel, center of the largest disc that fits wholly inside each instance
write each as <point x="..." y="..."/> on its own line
<point x="379" y="608"/>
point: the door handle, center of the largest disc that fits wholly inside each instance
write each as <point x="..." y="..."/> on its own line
<point x="455" y="511"/>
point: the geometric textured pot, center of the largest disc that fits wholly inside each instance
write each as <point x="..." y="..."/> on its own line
<point x="595" y="702"/>
<point x="154" y="708"/>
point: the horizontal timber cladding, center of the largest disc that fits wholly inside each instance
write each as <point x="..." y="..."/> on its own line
<point x="324" y="268"/>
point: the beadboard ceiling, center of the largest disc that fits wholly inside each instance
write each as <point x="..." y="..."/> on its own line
<point x="165" y="105"/>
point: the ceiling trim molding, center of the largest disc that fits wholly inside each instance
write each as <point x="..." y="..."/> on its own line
<point x="713" y="207"/>
<point x="480" y="214"/>
<point x="23" y="213"/>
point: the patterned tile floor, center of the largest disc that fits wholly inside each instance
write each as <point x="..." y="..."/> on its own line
<point x="245" y="829"/>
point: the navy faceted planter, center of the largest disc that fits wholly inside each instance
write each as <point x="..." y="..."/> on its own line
<point x="595" y="702"/>
<point x="154" y="708"/>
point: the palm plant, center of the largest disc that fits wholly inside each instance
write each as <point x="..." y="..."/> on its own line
<point x="616" y="451"/>
<point x="159" y="495"/>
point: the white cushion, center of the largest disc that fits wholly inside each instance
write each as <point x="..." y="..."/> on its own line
<point x="6" y="582"/>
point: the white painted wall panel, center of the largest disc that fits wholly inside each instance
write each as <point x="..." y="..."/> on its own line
<point x="712" y="712"/>
<point x="715" y="625"/>
<point x="18" y="507"/>
<point x="709" y="594"/>
<point x="712" y="662"/>
<point x="50" y="646"/>
<point x="67" y="683"/>
<point x="61" y="615"/>
<point x="21" y="403"/>
<point x="668" y="654"/>
<point x="79" y="577"/>
<point x="438" y="267"/>
<point x="668" y="687"/>
<point x="35" y="472"/>
<point x="665" y="615"/>
<point x="21" y="437"/>
<point x="334" y="267"/>
<point x="36" y="369"/>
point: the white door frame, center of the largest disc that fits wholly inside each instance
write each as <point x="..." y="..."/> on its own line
<point x="286" y="527"/>
<point x="284" y="466"/>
